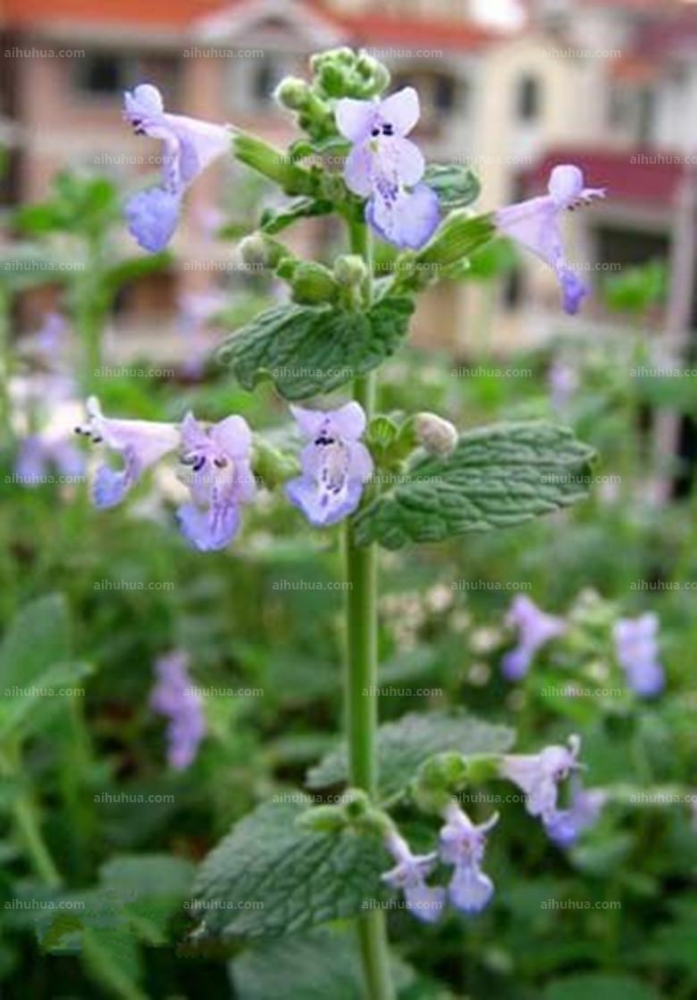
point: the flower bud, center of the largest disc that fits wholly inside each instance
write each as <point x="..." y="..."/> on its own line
<point x="350" y="270"/>
<point x="313" y="283"/>
<point x="259" y="250"/>
<point x="293" y="93"/>
<point x="438" y="436"/>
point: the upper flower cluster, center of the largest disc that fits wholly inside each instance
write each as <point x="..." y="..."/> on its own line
<point x="216" y="466"/>
<point x="384" y="167"/>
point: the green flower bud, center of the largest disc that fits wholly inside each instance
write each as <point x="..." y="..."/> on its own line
<point x="270" y="465"/>
<point x="436" y="435"/>
<point x="260" y="250"/>
<point x="350" y="270"/>
<point x="293" y="93"/>
<point x="313" y="283"/>
<point x="324" y="819"/>
<point x="437" y="780"/>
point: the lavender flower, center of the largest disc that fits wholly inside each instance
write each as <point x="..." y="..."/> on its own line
<point x="335" y="464"/>
<point x="636" y="646"/>
<point x="220" y="481"/>
<point x="190" y="146"/>
<point x="462" y="843"/>
<point x="39" y="453"/>
<point x="386" y="167"/>
<point x="409" y="875"/>
<point x="563" y="383"/>
<point x="535" y="224"/>
<point x="51" y="336"/>
<point x="140" y="443"/>
<point x="586" y="806"/>
<point x="535" y="629"/>
<point x="538" y="776"/>
<point x="174" y="698"/>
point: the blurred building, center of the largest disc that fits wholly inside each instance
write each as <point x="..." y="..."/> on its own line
<point x="610" y="85"/>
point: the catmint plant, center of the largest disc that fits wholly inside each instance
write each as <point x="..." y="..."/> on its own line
<point x="363" y="478"/>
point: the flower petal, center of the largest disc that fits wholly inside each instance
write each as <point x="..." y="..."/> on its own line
<point x="152" y="217"/>
<point x="358" y="170"/>
<point x="401" y="110"/>
<point x="470" y="889"/>
<point x="407" y="222"/>
<point x="354" y="119"/>
<point x="208" y="530"/>
<point x="565" y="184"/>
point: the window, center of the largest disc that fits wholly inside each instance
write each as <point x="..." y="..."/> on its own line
<point x="103" y="74"/>
<point x="528" y="99"/>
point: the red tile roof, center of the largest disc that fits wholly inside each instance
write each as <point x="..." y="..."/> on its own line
<point x="171" y="13"/>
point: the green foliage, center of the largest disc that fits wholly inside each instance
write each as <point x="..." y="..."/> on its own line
<point x="497" y="477"/>
<point x="306" y="350"/>
<point x="271" y="876"/>
<point x="456" y="186"/>
<point x="405" y="745"/>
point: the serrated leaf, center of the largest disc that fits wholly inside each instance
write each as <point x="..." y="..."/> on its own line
<point x="404" y="745"/>
<point x="497" y="477"/>
<point x="306" y="350"/>
<point x="312" y="967"/>
<point x="283" y="877"/>
<point x="273" y="222"/>
<point x="456" y="185"/>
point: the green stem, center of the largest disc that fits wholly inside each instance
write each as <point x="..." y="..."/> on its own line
<point x="361" y="685"/>
<point x="5" y="412"/>
<point x="26" y="819"/>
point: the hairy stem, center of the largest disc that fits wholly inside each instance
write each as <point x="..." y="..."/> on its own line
<point x="361" y="686"/>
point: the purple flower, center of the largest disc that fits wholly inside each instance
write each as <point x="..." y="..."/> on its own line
<point x="51" y="336"/>
<point x="538" y="776"/>
<point x="140" y="443"/>
<point x="636" y="646"/>
<point x="535" y="629"/>
<point x="220" y="480"/>
<point x="565" y="825"/>
<point x="462" y="843"/>
<point x="174" y="697"/>
<point x="409" y="875"/>
<point x="335" y="464"/>
<point x="38" y="453"/>
<point x="386" y="167"/>
<point x="190" y="146"/>
<point x="535" y="224"/>
<point x="563" y="382"/>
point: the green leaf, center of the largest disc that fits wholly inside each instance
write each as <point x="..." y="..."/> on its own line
<point x="302" y="208"/>
<point x="36" y="639"/>
<point x="599" y="987"/>
<point x="456" y="185"/>
<point x="315" y="966"/>
<point x="497" y="477"/>
<point x="404" y="745"/>
<point x="29" y="709"/>
<point x="307" y="350"/>
<point x="270" y="876"/>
